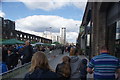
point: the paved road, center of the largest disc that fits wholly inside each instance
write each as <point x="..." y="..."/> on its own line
<point x="51" y="57"/>
<point x="58" y="59"/>
<point x="54" y="58"/>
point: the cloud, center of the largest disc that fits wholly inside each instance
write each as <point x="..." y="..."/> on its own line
<point x="49" y="5"/>
<point x="52" y="5"/>
<point x="41" y="23"/>
<point x="2" y="14"/>
<point x="80" y="5"/>
<point x="71" y="36"/>
<point x="37" y="24"/>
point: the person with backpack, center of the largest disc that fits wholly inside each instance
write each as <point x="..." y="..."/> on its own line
<point x="63" y="69"/>
<point x="75" y="63"/>
<point x="40" y="69"/>
<point x="83" y="69"/>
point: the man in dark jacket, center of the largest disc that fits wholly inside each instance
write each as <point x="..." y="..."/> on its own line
<point x="4" y="53"/>
<point x="62" y="49"/>
<point x="10" y="59"/>
<point x="28" y="52"/>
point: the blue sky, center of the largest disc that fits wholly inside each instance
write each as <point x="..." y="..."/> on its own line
<point x="16" y="10"/>
<point x="34" y="17"/>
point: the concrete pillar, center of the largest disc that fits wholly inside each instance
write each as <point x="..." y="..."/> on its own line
<point x="94" y="35"/>
<point x="102" y="29"/>
<point x="111" y="38"/>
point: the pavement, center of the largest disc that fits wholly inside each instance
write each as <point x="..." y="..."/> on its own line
<point x="58" y="59"/>
<point x="55" y="57"/>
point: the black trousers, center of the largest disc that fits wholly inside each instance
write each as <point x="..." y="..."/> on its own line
<point x="83" y="78"/>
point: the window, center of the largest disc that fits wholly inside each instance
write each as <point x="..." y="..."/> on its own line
<point x="11" y="34"/>
<point x="118" y="30"/>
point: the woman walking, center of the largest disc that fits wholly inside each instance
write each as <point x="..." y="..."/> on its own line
<point x="63" y="69"/>
<point x="40" y="69"/>
<point x="75" y="63"/>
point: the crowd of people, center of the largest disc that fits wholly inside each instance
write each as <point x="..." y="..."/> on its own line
<point x="12" y="55"/>
<point x="104" y="67"/>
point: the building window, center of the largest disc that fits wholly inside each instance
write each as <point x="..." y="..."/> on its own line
<point x="24" y="36"/>
<point x="21" y="35"/>
<point x="17" y="35"/>
<point x="11" y="34"/>
<point x="118" y="30"/>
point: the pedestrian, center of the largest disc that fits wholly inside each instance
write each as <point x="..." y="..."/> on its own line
<point x="40" y="69"/>
<point x="63" y="69"/>
<point x="15" y="60"/>
<point x="10" y="59"/>
<point x="72" y="51"/>
<point x="3" y="65"/>
<point x="4" y="53"/>
<point x="104" y="65"/>
<point x="27" y="52"/>
<point x="118" y="73"/>
<point x="75" y="63"/>
<point x="62" y="49"/>
<point x="83" y="69"/>
<point x="69" y="47"/>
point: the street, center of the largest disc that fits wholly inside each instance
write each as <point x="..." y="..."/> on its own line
<point x="54" y="58"/>
<point x="88" y="28"/>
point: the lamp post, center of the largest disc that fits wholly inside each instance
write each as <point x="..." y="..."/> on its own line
<point x="51" y="32"/>
<point x="48" y="30"/>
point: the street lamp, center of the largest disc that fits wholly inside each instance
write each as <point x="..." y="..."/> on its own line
<point x="51" y="31"/>
<point x="48" y="30"/>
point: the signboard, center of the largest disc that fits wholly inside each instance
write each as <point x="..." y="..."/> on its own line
<point x="82" y="29"/>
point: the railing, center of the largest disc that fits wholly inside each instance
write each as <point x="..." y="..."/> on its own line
<point x="15" y="72"/>
<point x="22" y="70"/>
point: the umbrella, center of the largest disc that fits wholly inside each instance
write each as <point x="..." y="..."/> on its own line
<point x="47" y="44"/>
<point x="12" y="41"/>
<point x="56" y="43"/>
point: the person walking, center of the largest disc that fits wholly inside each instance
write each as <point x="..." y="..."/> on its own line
<point x="75" y="63"/>
<point x="27" y="52"/>
<point x="83" y="69"/>
<point x="10" y="59"/>
<point x="3" y="65"/>
<point x="62" y="49"/>
<point x="104" y="65"/>
<point x="63" y="69"/>
<point x="4" y="53"/>
<point x="40" y="69"/>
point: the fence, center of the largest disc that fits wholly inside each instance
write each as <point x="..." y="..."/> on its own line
<point x="15" y="72"/>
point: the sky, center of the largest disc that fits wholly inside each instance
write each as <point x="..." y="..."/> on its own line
<point x="35" y="16"/>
